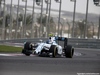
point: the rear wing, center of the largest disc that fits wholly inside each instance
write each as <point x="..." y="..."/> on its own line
<point x="62" y="39"/>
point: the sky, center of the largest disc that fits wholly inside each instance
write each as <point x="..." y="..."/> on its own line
<point x="67" y="5"/>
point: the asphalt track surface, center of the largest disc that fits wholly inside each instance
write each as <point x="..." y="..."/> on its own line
<point x="87" y="63"/>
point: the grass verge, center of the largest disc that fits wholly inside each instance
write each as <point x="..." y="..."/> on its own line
<point x="10" y="49"/>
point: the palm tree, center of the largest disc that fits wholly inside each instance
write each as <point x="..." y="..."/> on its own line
<point x="52" y="24"/>
<point x="0" y="7"/>
<point x="81" y="26"/>
<point x="1" y="21"/>
<point x="0" y="3"/>
<point x="29" y="20"/>
<point x="7" y="18"/>
<point x="20" y="18"/>
<point x="43" y="20"/>
<point x="0" y="14"/>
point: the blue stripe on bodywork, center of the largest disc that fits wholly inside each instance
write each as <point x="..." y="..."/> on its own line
<point x="60" y="38"/>
<point x="63" y="38"/>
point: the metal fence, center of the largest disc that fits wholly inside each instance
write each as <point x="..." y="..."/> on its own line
<point x="15" y="22"/>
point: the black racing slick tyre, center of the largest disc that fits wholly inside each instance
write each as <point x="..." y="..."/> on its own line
<point x="28" y="46"/>
<point x="53" y="50"/>
<point x="26" y="52"/>
<point x="69" y="51"/>
<point x="23" y="51"/>
<point x="27" y="49"/>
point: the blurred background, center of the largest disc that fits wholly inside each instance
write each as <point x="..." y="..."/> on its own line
<point x="39" y="18"/>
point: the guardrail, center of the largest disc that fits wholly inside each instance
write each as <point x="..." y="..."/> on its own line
<point x="77" y="43"/>
<point x="85" y="43"/>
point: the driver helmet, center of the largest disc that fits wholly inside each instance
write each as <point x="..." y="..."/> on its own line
<point x="49" y="40"/>
<point x="51" y="35"/>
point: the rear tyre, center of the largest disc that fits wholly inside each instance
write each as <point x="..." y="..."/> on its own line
<point x="69" y="51"/>
<point x="53" y="50"/>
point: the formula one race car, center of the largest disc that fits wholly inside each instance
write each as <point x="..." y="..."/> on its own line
<point x="49" y="48"/>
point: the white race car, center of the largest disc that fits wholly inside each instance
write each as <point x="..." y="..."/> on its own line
<point x="49" y="48"/>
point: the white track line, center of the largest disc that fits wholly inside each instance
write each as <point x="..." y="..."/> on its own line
<point x="16" y="54"/>
<point x="6" y="54"/>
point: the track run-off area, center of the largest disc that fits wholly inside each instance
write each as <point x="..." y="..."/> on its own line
<point x="84" y="62"/>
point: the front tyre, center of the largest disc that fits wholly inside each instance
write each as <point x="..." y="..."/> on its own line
<point x="53" y="50"/>
<point x="27" y="49"/>
<point x="69" y="51"/>
<point x="28" y="46"/>
<point x="27" y="54"/>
